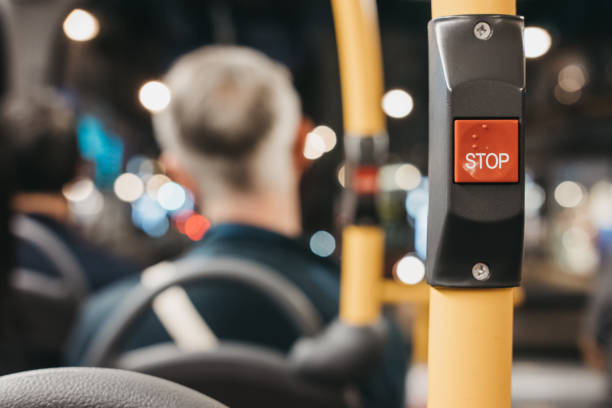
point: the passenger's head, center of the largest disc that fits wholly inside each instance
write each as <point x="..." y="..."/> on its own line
<point x="234" y="122"/>
<point x="41" y="131"/>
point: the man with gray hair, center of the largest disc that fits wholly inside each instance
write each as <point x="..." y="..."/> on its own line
<point x="233" y="132"/>
<point x="235" y="126"/>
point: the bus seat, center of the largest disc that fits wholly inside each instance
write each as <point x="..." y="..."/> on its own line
<point x="96" y="388"/>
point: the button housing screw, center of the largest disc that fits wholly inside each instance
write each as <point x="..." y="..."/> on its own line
<point x="483" y="31"/>
<point x="481" y="272"/>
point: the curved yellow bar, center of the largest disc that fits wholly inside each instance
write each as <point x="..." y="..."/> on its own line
<point x="441" y="8"/>
<point x="362" y="270"/>
<point x="470" y="348"/>
<point x="361" y="71"/>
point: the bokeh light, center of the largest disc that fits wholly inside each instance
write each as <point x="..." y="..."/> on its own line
<point x="81" y="25"/>
<point x="157" y="230"/>
<point x="572" y="78"/>
<point x="535" y="196"/>
<point x="581" y="257"/>
<point x="566" y="98"/>
<point x="407" y="177"/>
<point x="600" y="204"/>
<point x="322" y="243"/>
<point x="180" y="217"/>
<point x="154" y="183"/>
<point x="569" y="194"/>
<point x="327" y="135"/>
<point x="148" y="215"/>
<point x="147" y="167"/>
<point x="134" y="162"/>
<point x="196" y="226"/>
<point x="342" y="176"/>
<point x="537" y="41"/>
<point x="398" y="176"/>
<point x="410" y="270"/>
<point x="89" y="208"/>
<point x="78" y="190"/>
<point x="314" y="147"/>
<point x="397" y="103"/>
<point x="128" y="187"/>
<point x="154" y="96"/>
<point x="171" y="196"/>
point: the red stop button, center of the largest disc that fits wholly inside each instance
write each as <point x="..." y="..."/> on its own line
<point x="486" y="151"/>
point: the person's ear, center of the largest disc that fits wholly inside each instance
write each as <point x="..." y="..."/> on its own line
<point x="301" y="162"/>
<point x="176" y="172"/>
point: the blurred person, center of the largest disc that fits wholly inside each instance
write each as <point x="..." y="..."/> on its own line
<point x="42" y="131"/>
<point x="39" y="130"/>
<point x="234" y="133"/>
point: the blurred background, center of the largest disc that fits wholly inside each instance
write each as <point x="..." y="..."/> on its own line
<point x="107" y="56"/>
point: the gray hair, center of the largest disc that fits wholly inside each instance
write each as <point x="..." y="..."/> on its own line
<point x="232" y="119"/>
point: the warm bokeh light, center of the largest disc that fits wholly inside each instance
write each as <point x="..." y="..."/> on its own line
<point x="410" y="270"/>
<point x="407" y="177"/>
<point x="328" y="136"/>
<point x="78" y="190"/>
<point x="154" y="184"/>
<point x="569" y="194"/>
<point x="89" y="208"/>
<point x="342" y="176"/>
<point x="196" y="226"/>
<point x="314" y="147"/>
<point x="128" y="187"/>
<point x="180" y="218"/>
<point x="537" y="41"/>
<point x="154" y="96"/>
<point x="322" y="243"/>
<point x="567" y="98"/>
<point x="171" y="196"/>
<point x="572" y="78"/>
<point x="397" y="103"/>
<point x="81" y="25"/>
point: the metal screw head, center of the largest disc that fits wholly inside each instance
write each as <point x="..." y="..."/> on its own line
<point x="481" y="272"/>
<point x="483" y="31"/>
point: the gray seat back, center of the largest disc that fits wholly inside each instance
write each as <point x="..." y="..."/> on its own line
<point x="72" y="276"/>
<point x="238" y="375"/>
<point x="96" y="388"/>
<point x="290" y="299"/>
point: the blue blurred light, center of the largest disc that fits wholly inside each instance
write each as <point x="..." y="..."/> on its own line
<point x="103" y="148"/>
<point x="134" y="163"/>
<point x="420" y="232"/>
<point x="148" y="215"/>
<point x="157" y="230"/>
<point x="322" y="243"/>
<point x="417" y="203"/>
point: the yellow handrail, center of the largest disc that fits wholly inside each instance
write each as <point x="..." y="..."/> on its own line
<point x="470" y="330"/>
<point x="441" y="8"/>
<point x="360" y="59"/>
<point x="359" y="53"/>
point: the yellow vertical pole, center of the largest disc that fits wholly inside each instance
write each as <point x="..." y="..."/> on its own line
<point x="441" y="8"/>
<point x="470" y="348"/>
<point x="470" y="340"/>
<point x="358" y="39"/>
<point x="360" y="58"/>
<point x="362" y="268"/>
